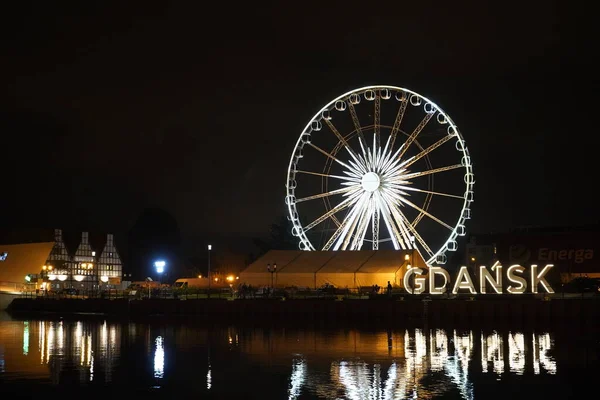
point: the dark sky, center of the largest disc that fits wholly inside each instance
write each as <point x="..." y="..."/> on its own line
<point x="108" y="108"/>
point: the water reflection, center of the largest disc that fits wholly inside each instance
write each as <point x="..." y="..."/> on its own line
<point x="423" y="363"/>
<point x="159" y="358"/>
<point x="542" y="345"/>
<point x="349" y="364"/>
<point x="25" y="338"/>
<point x="296" y="378"/>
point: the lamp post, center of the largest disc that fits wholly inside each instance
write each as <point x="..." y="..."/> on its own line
<point x="159" y="265"/>
<point x="209" y="277"/>
<point x="272" y="269"/>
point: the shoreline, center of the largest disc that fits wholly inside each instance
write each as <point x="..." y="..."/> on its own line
<point x="375" y="312"/>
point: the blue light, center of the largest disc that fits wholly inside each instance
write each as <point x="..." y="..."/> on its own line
<point x="160" y="266"/>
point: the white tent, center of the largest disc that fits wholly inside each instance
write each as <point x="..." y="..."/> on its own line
<point x="342" y="269"/>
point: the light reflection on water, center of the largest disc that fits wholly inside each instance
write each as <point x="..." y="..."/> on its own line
<point x="345" y="364"/>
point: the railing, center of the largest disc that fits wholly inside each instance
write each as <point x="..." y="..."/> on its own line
<point x="10" y="287"/>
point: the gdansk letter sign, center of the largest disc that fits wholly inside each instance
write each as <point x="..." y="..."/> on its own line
<point x="517" y="276"/>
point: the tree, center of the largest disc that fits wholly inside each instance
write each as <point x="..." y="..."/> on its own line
<point x="280" y="238"/>
<point x="155" y="235"/>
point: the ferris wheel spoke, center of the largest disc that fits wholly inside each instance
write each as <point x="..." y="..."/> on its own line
<point x="433" y="217"/>
<point x="416" y="132"/>
<point x="361" y="227"/>
<point x="414" y="189"/>
<point x="397" y="122"/>
<point x="395" y="194"/>
<point x="393" y="232"/>
<point x="431" y="171"/>
<point x="377" y="119"/>
<point x="392" y="161"/>
<point x="398" y="220"/>
<point x="357" y="127"/>
<point x="336" y="234"/>
<point x="333" y="158"/>
<point x="428" y="150"/>
<point x="331" y="193"/>
<point x="358" y="213"/>
<point x="416" y="234"/>
<point x="358" y="165"/>
<point x="344" y="178"/>
<point x="341" y="139"/>
<point x="345" y="203"/>
<point x="348" y="223"/>
<point x="375" y="225"/>
<point x="395" y="170"/>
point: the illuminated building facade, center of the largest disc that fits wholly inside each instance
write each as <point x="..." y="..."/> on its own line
<point x="572" y="250"/>
<point x="49" y="265"/>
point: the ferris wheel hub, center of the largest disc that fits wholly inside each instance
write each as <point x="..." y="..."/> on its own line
<point x="370" y="182"/>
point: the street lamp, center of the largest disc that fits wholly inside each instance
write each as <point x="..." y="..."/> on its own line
<point x="272" y="269"/>
<point x="209" y="278"/>
<point x="159" y="265"/>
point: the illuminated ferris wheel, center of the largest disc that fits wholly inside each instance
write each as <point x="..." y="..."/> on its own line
<point x="362" y="176"/>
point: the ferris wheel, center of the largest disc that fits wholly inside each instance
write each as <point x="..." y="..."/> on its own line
<point x="362" y="176"/>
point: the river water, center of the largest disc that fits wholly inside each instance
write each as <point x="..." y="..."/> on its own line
<point x="93" y="357"/>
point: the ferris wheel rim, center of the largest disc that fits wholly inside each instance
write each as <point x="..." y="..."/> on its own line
<point x="468" y="175"/>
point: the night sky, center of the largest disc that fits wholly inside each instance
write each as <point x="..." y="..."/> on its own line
<point x="108" y="109"/>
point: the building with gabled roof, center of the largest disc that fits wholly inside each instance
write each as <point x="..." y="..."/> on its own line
<point x="109" y="262"/>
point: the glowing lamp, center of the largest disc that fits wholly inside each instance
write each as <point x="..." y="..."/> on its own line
<point x="160" y="266"/>
<point x="104" y="278"/>
<point x="62" y="277"/>
<point x="51" y="277"/>
<point x="78" y="278"/>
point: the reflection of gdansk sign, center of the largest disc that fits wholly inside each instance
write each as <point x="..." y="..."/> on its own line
<point x="415" y="282"/>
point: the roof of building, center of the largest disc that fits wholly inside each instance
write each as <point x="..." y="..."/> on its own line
<point x="18" y="260"/>
<point x="363" y="261"/>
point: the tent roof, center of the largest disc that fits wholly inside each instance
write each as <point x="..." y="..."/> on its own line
<point x="365" y="261"/>
<point x="309" y="261"/>
<point x="347" y="261"/>
<point x="387" y="261"/>
<point x="281" y="257"/>
<point x="19" y="260"/>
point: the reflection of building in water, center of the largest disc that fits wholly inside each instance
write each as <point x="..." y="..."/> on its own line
<point x="62" y="350"/>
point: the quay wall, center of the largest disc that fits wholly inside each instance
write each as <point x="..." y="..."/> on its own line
<point x="458" y="310"/>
